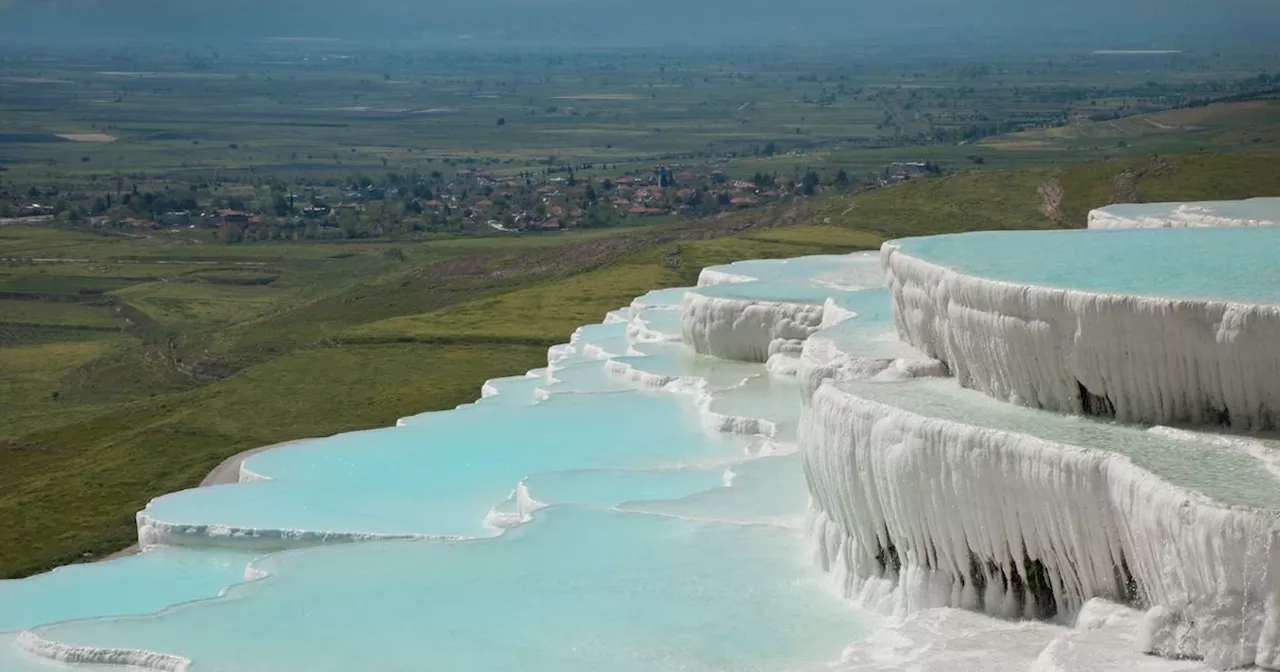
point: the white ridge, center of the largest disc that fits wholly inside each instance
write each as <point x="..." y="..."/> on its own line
<point x="147" y="660"/>
<point x="1202" y="362"/>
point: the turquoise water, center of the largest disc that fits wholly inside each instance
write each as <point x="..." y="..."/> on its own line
<point x="672" y="298"/>
<point x="578" y="589"/>
<point x="441" y="475"/>
<point x="871" y="334"/>
<point x="767" y="491"/>
<point x="1235" y="264"/>
<point x="586" y="376"/>
<point x="852" y="272"/>
<point x="779" y="291"/>
<point x="873" y="307"/>
<point x="1229" y="476"/>
<point x="676" y="360"/>
<point x="611" y="488"/>
<point x="661" y="320"/>
<point x="766" y="396"/>
<point x="138" y="584"/>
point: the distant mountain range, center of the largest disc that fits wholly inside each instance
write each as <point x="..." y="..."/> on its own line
<point x="920" y="24"/>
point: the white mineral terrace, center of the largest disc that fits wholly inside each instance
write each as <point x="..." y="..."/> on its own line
<point x="923" y="422"/>
<point x="1124" y="324"/>
<point x="1251" y="212"/>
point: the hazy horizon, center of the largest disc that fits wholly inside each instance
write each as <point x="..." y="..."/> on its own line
<point x="1101" y="24"/>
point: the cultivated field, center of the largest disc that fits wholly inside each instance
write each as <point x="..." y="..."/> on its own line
<point x="300" y="112"/>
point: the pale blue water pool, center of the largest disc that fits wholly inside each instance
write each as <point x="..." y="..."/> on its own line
<point x="767" y="491"/>
<point x="679" y="361"/>
<point x="441" y="475"/>
<point x="1225" y="264"/>
<point x="870" y="333"/>
<point x="851" y="272"/>
<point x="137" y="584"/>
<point x="611" y="488"/>
<point x="672" y="298"/>
<point x="661" y="320"/>
<point x="579" y="589"/>
<point x="775" y="291"/>
<point x="586" y="376"/>
<point x="765" y="396"/>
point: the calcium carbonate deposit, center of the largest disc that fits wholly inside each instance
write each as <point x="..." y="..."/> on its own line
<point x="1251" y="212"/>
<point x="954" y="455"/>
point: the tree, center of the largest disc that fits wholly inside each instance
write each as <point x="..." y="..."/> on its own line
<point x="810" y="183"/>
<point x="280" y="205"/>
<point x="842" y="179"/>
<point x="349" y="222"/>
<point x="502" y="121"/>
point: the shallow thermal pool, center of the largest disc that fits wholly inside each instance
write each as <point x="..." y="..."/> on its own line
<point x="849" y="272"/>
<point x="1228" y="264"/>
<point x="781" y="292"/>
<point x="579" y="588"/>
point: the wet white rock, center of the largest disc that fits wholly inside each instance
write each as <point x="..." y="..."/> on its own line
<point x="915" y="512"/>
<point x="1249" y="212"/>
<point x="1138" y="359"/>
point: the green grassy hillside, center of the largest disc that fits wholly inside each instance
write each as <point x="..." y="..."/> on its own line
<point x="1050" y="196"/>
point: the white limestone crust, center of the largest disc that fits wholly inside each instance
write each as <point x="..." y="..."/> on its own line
<point x="132" y="658"/>
<point x="1250" y="212"/>
<point x="917" y="512"/>
<point x="152" y="532"/>
<point x="1147" y="360"/>
<point x="746" y="330"/>
<point x="822" y="359"/>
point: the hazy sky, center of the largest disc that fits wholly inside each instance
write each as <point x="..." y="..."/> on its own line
<point x="1111" y="23"/>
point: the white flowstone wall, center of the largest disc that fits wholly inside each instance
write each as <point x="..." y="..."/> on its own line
<point x="152" y="532"/>
<point x="89" y="655"/>
<point x="746" y="330"/>
<point x="917" y="512"/>
<point x="1140" y="359"/>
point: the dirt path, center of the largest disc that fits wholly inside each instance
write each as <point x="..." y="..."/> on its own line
<point x="1051" y="194"/>
<point x="224" y="474"/>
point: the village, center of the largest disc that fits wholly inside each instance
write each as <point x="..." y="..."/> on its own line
<point x="467" y="200"/>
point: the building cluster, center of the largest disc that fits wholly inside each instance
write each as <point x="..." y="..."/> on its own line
<point x="558" y="197"/>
